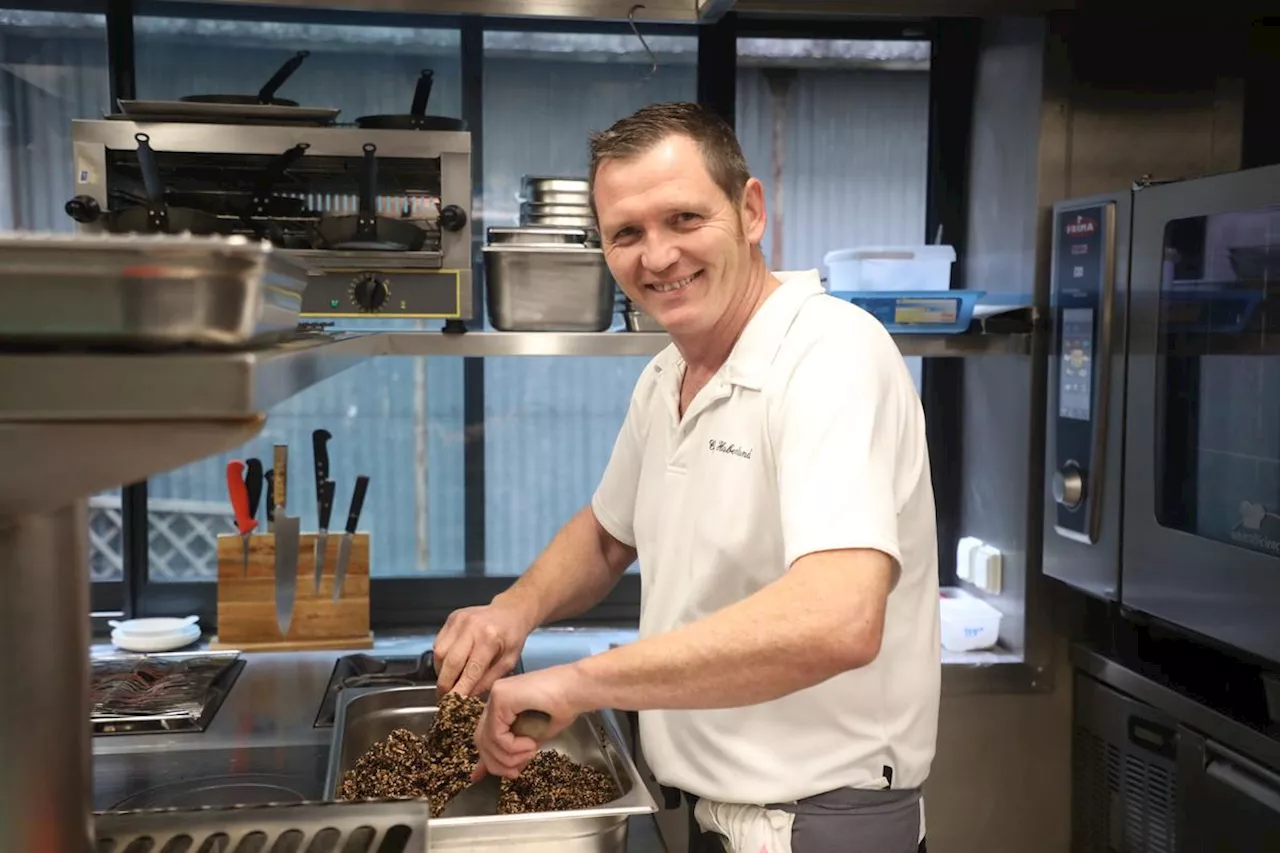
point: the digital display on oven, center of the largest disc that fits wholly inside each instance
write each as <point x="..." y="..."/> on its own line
<point x="1075" y="378"/>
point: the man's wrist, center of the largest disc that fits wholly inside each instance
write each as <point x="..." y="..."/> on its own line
<point x="521" y="602"/>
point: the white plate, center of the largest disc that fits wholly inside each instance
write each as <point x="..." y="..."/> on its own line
<point x="156" y="627"/>
<point x="156" y="642"/>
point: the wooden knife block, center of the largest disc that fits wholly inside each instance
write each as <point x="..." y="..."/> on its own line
<point x="247" y="605"/>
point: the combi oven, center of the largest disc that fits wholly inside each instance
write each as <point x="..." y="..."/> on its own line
<point x="1163" y="421"/>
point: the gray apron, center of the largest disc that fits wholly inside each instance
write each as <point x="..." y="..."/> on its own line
<point x="847" y="820"/>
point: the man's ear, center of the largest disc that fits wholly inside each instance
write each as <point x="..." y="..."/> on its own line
<point x="751" y="212"/>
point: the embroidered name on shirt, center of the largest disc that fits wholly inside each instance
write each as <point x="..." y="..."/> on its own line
<point x="731" y="449"/>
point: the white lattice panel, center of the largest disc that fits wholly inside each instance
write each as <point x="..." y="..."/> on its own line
<point x="182" y="538"/>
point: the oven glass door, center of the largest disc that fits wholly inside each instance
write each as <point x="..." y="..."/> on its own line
<point x="1202" y="514"/>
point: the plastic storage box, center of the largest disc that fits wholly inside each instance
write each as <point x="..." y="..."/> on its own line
<point x="968" y="623"/>
<point x="890" y="268"/>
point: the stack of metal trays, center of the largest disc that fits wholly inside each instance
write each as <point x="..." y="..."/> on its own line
<point x="563" y="202"/>
<point x="145" y="292"/>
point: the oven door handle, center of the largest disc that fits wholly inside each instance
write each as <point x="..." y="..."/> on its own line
<point x="1245" y="778"/>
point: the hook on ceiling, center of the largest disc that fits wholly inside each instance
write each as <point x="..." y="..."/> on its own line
<point x="631" y="19"/>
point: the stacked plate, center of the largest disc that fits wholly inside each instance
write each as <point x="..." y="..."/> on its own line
<point x="560" y="202"/>
<point x="154" y="635"/>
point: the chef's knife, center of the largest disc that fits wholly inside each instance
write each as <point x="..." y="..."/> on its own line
<point x="344" y="546"/>
<point x="319" y="441"/>
<point x="322" y="538"/>
<point x="245" y="522"/>
<point x="287" y="531"/>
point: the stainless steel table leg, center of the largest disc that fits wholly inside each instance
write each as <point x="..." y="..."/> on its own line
<point x="45" y="748"/>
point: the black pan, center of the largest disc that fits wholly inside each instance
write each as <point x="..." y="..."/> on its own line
<point x="153" y="215"/>
<point x="417" y="119"/>
<point x="366" y="230"/>
<point x="267" y="95"/>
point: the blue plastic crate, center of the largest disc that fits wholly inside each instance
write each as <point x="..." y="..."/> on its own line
<point x="919" y="312"/>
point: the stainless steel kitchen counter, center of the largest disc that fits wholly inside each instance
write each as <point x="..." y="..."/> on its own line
<point x="263" y="741"/>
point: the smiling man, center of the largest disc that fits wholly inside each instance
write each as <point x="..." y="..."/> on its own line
<point x="773" y="480"/>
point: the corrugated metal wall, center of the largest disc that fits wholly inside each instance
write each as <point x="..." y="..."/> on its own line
<point x="854" y="173"/>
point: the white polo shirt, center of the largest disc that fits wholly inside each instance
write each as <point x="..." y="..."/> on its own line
<point x="809" y="438"/>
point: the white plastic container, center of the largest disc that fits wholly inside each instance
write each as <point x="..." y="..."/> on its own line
<point x="890" y="268"/>
<point x="968" y="624"/>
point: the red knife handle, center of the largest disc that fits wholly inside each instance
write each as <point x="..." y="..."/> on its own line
<point x="245" y="523"/>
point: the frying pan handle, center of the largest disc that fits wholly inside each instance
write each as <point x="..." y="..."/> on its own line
<point x="277" y="80"/>
<point x="150" y="170"/>
<point x="369" y="181"/>
<point x="278" y="167"/>
<point x="422" y="93"/>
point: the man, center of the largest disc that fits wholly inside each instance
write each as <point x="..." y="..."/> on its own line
<point x="772" y="478"/>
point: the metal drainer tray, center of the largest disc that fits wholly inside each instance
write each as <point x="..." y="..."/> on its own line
<point x="329" y="827"/>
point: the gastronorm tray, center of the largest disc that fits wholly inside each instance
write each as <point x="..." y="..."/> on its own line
<point x="366" y="716"/>
<point x="146" y="292"/>
<point x="169" y="692"/>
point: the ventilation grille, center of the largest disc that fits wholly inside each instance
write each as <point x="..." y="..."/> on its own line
<point x="392" y="827"/>
<point x="1122" y="802"/>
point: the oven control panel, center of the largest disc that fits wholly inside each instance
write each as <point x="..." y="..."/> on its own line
<point x="1081" y="291"/>
<point x="347" y="291"/>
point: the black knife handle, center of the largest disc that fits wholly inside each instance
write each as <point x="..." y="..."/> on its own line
<point x="269" y="477"/>
<point x="326" y="503"/>
<point x="253" y="485"/>
<point x="319" y="446"/>
<point x="357" y="502"/>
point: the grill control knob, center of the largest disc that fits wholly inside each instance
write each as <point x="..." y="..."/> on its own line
<point x="1068" y="486"/>
<point x="452" y="218"/>
<point x="370" y="292"/>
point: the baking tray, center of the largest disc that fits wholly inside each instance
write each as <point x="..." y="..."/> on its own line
<point x="368" y="715"/>
<point x="170" y="692"/>
<point x="145" y="292"/>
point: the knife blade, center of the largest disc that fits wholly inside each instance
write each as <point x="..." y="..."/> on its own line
<point x="245" y="522"/>
<point x="319" y="446"/>
<point x="344" y="546"/>
<point x="287" y="532"/>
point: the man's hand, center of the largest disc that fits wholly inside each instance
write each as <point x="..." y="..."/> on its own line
<point x="479" y="645"/>
<point x="552" y="691"/>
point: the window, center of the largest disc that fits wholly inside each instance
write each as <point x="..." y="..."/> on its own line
<point x="550" y="424"/>
<point x="54" y="70"/>
<point x="837" y="130"/>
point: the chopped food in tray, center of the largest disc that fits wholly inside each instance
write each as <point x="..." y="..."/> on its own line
<point x="438" y="767"/>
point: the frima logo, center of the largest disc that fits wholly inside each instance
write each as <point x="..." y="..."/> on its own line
<point x="1081" y="227"/>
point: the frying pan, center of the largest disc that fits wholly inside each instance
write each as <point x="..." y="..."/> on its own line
<point x="367" y="230"/>
<point x="266" y="95"/>
<point x="417" y="119"/>
<point x="153" y="215"/>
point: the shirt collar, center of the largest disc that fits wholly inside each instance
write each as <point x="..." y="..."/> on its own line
<point x="759" y="342"/>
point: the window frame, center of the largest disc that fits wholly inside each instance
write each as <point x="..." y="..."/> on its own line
<point x="422" y="602"/>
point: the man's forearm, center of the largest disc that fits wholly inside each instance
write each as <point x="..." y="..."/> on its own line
<point x="818" y="620"/>
<point x="575" y="572"/>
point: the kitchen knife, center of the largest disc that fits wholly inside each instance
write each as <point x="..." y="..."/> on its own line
<point x="344" y="546"/>
<point x="322" y="538"/>
<point x="287" y="532"/>
<point x="245" y="522"/>
<point x="253" y="479"/>
<point x="319" y="446"/>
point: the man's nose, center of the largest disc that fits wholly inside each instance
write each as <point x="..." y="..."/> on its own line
<point x="660" y="253"/>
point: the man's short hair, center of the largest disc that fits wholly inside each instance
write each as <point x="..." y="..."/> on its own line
<point x="642" y="130"/>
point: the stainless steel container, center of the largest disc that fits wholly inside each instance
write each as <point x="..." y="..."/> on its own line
<point x="532" y="185"/>
<point x="146" y="291"/>
<point x="366" y="716"/>
<point x="542" y="196"/>
<point x="537" y="235"/>
<point x="638" y="321"/>
<point x="548" y="289"/>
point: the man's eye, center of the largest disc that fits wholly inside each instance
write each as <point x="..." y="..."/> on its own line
<point x="688" y="217"/>
<point x="624" y="234"/>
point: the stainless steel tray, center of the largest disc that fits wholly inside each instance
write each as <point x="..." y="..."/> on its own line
<point x="146" y="291"/>
<point x="548" y="288"/>
<point x="366" y="716"/>
<point x="166" y="692"/>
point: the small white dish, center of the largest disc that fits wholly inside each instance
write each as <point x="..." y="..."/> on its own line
<point x="154" y="627"/>
<point x="156" y="642"/>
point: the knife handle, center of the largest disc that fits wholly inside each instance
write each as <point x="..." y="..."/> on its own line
<point x="253" y="485"/>
<point x="281" y="453"/>
<point x="326" y="503"/>
<point x="531" y="724"/>
<point x="270" y="479"/>
<point x="357" y="502"/>
<point x="239" y="497"/>
<point x="319" y="447"/>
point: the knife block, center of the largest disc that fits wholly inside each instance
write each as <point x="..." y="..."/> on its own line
<point x="247" y="604"/>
